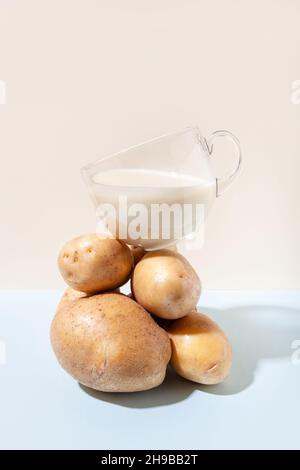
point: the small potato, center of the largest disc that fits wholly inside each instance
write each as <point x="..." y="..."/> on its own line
<point x="110" y="343"/>
<point x="137" y="252"/>
<point x="165" y="284"/>
<point x="200" y="350"/>
<point x="92" y="264"/>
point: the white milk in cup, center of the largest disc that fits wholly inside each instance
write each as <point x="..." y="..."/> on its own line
<point x="159" y="192"/>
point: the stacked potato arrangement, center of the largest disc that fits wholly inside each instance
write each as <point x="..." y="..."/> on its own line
<point x="117" y="343"/>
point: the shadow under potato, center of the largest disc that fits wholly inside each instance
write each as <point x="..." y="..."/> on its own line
<point x="256" y="333"/>
<point x="173" y="390"/>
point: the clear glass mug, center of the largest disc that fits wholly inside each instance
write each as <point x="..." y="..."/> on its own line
<point x="117" y="184"/>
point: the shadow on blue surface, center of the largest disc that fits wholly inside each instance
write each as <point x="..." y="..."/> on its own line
<point x="256" y="333"/>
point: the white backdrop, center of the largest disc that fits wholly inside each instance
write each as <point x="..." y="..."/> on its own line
<point x="90" y="77"/>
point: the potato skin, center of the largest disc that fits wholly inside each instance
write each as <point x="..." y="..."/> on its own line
<point x="165" y="284"/>
<point x="137" y="252"/>
<point x="92" y="264"/>
<point x="110" y="343"/>
<point x="200" y="350"/>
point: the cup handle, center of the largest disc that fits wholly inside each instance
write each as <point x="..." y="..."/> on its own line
<point x="224" y="183"/>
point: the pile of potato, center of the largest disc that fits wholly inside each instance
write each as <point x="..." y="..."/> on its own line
<point x="117" y="343"/>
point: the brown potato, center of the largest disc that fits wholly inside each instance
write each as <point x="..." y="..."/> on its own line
<point x="137" y="252"/>
<point x="92" y="264"/>
<point x="165" y="284"/>
<point x="200" y="350"/>
<point x="110" y="343"/>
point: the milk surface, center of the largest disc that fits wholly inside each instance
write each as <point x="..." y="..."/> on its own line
<point x="146" y="178"/>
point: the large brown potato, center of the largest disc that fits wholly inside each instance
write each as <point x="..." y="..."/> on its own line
<point x="110" y="343"/>
<point x="200" y="349"/>
<point x="165" y="284"/>
<point x="92" y="264"/>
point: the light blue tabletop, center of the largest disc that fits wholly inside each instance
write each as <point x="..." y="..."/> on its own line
<point x="258" y="406"/>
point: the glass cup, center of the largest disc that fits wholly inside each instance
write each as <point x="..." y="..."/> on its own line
<point x="159" y="192"/>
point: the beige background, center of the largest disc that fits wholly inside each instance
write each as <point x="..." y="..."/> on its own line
<point x="87" y="78"/>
